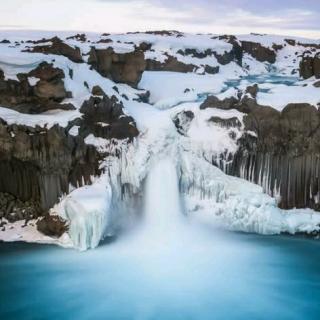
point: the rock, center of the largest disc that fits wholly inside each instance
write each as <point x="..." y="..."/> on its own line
<point x="310" y="65"/>
<point x="227" y="123"/>
<point x="214" y="102"/>
<point x="119" y="67"/>
<point x="52" y="226"/>
<point x="171" y="64"/>
<point x="104" y="117"/>
<point x="144" y="46"/>
<point x="4" y="41"/>
<point x="79" y="37"/>
<point x="306" y="67"/>
<point x="57" y="47"/>
<point x="253" y="90"/>
<point x="143" y="97"/>
<point x="285" y="147"/>
<point x="316" y="84"/>
<point x="54" y="90"/>
<point x="44" y="162"/>
<point x="182" y="121"/>
<point x="46" y="95"/>
<point x="97" y="91"/>
<point x="211" y="70"/>
<point x="259" y="52"/>
<point x="46" y="72"/>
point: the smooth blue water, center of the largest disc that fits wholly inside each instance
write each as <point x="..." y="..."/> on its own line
<point x="217" y="275"/>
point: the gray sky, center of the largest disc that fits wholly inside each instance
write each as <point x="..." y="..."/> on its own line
<point x="287" y="17"/>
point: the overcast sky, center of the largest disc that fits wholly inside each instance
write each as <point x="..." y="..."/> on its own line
<point x="287" y="17"/>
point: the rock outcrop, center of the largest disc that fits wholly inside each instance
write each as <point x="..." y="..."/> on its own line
<point x="259" y="52"/>
<point x="47" y="94"/>
<point x="310" y="65"/>
<point x="119" y="67"/>
<point x="57" y="47"/>
<point x="52" y="226"/>
<point x="170" y="64"/>
<point x="104" y="117"/>
<point x="38" y="164"/>
<point x="283" y="154"/>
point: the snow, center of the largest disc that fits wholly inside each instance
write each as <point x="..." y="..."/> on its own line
<point x="209" y="195"/>
<point x="87" y="209"/>
<point x="27" y="232"/>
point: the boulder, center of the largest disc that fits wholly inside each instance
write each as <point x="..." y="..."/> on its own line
<point x="52" y="226"/>
<point x="171" y="64"/>
<point x="97" y="91"/>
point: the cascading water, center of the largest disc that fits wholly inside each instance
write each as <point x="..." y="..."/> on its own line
<point x="162" y="208"/>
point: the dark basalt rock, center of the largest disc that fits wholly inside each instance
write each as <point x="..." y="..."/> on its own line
<point x="97" y="91"/>
<point x="144" y="46"/>
<point x="13" y="209"/>
<point x="58" y="47"/>
<point x="310" y="65"/>
<point x="259" y="52"/>
<point x="283" y="155"/>
<point x="52" y="226"/>
<point x="214" y="102"/>
<point x="211" y="70"/>
<point x="47" y="94"/>
<point x="119" y="67"/>
<point x="171" y="64"/>
<point x="4" y="41"/>
<point x="39" y="164"/>
<point x="317" y="84"/>
<point x="105" y="118"/>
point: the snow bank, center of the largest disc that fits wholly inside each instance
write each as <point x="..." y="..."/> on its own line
<point x="87" y="209"/>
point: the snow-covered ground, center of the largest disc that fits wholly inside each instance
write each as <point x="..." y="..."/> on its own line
<point x="210" y="195"/>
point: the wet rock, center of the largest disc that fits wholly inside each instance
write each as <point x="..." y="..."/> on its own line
<point x="57" y="47"/>
<point x="119" y="67"/>
<point x="52" y="226"/>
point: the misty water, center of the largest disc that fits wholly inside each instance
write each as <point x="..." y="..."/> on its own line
<point x="168" y="267"/>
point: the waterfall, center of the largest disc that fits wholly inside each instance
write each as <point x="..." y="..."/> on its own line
<point x="162" y="207"/>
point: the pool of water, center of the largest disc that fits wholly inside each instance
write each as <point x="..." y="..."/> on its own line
<point x="194" y="273"/>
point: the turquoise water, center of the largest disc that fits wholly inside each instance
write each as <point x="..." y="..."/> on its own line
<point x="215" y="275"/>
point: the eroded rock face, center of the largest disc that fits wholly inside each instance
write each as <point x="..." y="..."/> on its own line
<point x="46" y="94"/>
<point x="104" y="117"/>
<point x="171" y="64"/>
<point x="283" y="155"/>
<point x="310" y="66"/>
<point x="119" y="67"/>
<point x="38" y="164"/>
<point x="57" y="47"/>
<point x="259" y="52"/>
<point x="182" y="121"/>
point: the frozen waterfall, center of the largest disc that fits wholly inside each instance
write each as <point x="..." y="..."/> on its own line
<point x="162" y="206"/>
